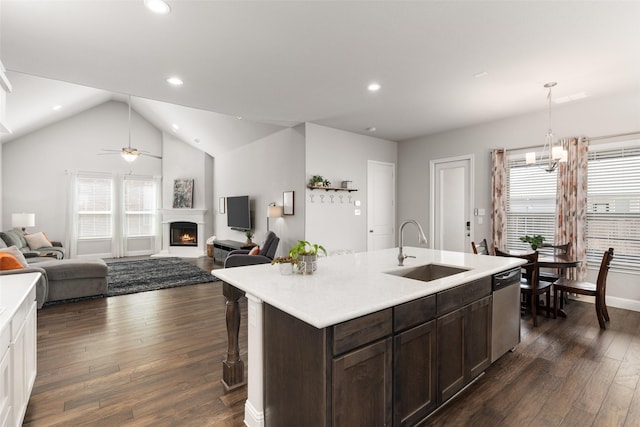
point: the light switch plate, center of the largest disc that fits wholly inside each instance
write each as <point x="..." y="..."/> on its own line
<point x="357" y="203"/>
<point x="357" y="212"/>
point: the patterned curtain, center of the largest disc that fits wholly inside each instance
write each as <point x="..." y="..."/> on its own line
<point x="498" y="199"/>
<point x="571" y="205"/>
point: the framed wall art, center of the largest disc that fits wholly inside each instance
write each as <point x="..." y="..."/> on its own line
<point x="182" y="193"/>
<point x="287" y="203"/>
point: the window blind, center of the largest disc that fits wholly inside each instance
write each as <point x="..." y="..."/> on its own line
<point x="613" y="207"/>
<point x="531" y="202"/>
<point x="94" y="198"/>
<point x="140" y="206"/>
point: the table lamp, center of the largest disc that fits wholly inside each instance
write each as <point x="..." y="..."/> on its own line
<point x="273" y="211"/>
<point x="23" y="220"/>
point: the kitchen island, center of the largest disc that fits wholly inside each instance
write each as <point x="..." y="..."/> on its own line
<point x="307" y="331"/>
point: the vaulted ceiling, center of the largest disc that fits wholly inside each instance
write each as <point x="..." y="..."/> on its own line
<point x="441" y="64"/>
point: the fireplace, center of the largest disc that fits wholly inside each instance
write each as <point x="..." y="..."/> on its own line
<point x="183" y="233"/>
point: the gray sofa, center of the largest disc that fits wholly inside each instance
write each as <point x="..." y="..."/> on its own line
<point x="67" y="278"/>
<point x="15" y="237"/>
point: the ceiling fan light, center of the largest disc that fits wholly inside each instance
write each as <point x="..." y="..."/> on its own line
<point x="129" y="156"/>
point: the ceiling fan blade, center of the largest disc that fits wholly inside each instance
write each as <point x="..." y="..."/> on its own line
<point x="113" y="151"/>
<point x="150" y="155"/>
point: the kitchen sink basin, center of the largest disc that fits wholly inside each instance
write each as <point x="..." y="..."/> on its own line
<point x="428" y="272"/>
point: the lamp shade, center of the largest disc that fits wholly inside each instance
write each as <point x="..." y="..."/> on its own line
<point x="23" y="220"/>
<point x="274" y="211"/>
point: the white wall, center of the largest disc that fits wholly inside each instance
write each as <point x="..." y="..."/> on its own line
<point x="263" y="170"/>
<point x="590" y="117"/>
<point x="339" y="155"/>
<point x="34" y="177"/>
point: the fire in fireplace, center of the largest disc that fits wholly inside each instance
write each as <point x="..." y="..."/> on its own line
<point x="183" y="234"/>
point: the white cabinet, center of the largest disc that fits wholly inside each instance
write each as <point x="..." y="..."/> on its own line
<point x="18" y="345"/>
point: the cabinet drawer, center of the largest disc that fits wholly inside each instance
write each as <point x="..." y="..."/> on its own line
<point x="414" y="313"/>
<point x="21" y="314"/>
<point x="462" y="295"/>
<point x="357" y="332"/>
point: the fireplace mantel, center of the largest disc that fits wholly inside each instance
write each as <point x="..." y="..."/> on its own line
<point x="197" y="216"/>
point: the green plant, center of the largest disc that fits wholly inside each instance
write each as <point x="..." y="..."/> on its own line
<point x="535" y="241"/>
<point x="326" y="183"/>
<point x="249" y="234"/>
<point x="303" y="247"/>
<point x="316" y="180"/>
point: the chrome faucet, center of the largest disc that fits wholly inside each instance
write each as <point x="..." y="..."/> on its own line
<point x="421" y="239"/>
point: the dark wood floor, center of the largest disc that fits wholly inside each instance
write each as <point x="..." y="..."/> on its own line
<point x="154" y="358"/>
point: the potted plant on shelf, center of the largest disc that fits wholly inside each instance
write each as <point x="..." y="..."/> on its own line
<point x="285" y="264"/>
<point x="535" y="241"/>
<point x="317" y="181"/>
<point x="306" y="255"/>
<point x="249" y="234"/>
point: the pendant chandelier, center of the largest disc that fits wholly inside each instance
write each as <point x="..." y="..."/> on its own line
<point x="555" y="153"/>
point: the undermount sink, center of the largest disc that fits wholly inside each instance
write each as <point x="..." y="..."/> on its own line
<point x="428" y="272"/>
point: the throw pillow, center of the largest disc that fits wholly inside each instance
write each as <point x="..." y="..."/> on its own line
<point x="16" y="253"/>
<point x="37" y="241"/>
<point x="254" y="250"/>
<point x="9" y="262"/>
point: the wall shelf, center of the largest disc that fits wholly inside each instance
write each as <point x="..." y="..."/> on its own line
<point x="313" y="187"/>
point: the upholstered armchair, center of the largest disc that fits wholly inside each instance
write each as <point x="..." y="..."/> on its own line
<point x="241" y="257"/>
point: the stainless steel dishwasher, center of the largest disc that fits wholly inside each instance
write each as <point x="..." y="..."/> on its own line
<point x="505" y="330"/>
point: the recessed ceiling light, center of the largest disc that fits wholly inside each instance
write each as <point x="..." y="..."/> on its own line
<point x="239" y="117"/>
<point x="157" y="6"/>
<point x="176" y="81"/>
<point x="480" y="74"/>
<point x="56" y="107"/>
<point x="197" y="141"/>
<point x="374" y="87"/>
<point x="175" y="127"/>
<point x="371" y="129"/>
<point x="572" y="97"/>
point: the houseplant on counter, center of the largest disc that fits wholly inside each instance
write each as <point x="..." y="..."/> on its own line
<point x="249" y="233"/>
<point x="306" y="255"/>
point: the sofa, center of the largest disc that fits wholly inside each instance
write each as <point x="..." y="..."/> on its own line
<point x="31" y="245"/>
<point x="61" y="279"/>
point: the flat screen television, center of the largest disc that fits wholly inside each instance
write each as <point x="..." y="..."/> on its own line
<point x="238" y="213"/>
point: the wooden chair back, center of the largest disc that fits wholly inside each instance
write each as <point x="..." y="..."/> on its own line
<point x="601" y="283"/>
<point x="530" y="268"/>
<point x="481" y="248"/>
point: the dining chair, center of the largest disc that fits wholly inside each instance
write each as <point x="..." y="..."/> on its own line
<point x="552" y="276"/>
<point x="481" y="248"/>
<point x="597" y="290"/>
<point x="530" y="286"/>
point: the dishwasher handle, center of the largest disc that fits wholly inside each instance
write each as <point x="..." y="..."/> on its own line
<point x="506" y="278"/>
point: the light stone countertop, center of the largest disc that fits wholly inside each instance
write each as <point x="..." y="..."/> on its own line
<point x="14" y="288"/>
<point x="348" y="286"/>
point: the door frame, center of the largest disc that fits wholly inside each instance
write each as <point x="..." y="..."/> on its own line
<point x="432" y="193"/>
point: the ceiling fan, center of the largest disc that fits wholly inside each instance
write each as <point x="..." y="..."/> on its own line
<point x="129" y="153"/>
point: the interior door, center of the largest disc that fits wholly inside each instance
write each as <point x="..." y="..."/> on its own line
<point x="451" y="201"/>
<point x="381" y="184"/>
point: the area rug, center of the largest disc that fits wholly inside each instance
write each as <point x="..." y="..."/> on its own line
<point x="128" y="277"/>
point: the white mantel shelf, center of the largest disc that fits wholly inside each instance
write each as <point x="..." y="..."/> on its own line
<point x="348" y="286"/>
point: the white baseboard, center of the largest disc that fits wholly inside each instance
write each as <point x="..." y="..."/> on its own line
<point x="624" y="303"/>
<point x="252" y="417"/>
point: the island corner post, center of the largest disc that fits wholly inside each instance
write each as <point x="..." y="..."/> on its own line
<point x="232" y="366"/>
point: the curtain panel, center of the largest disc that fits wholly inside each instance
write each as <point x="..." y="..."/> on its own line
<point x="498" y="199"/>
<point x="571" y="204"/>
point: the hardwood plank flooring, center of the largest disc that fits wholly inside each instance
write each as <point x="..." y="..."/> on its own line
<point x="154" y="359"/>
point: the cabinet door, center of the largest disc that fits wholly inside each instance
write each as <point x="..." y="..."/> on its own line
<point x="19" y="395"/>
<point x="362" y="386"/>
<point x="451" y="345"/>
<point x="5" y="387"/>
<point x="478" y="337"/>
<point x="414" y="374"/>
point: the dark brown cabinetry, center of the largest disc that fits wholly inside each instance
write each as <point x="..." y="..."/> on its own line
<point x="391" y="367"/>
<point x="464" y="336"/>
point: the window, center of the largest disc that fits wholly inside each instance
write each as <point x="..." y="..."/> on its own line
<point x="102" y="212"/>
<point x="139" y="207"/>
<point x="94" y="198"/>
<point x="613" y="206"/>
<point x="531" y="202"/>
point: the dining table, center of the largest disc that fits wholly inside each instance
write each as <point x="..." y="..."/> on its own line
<point x="558" y="261"/>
